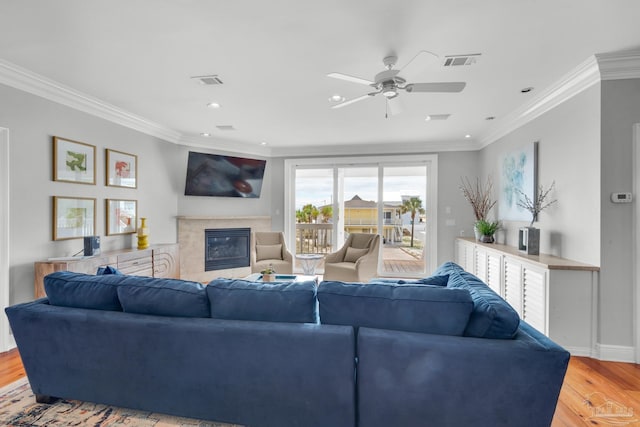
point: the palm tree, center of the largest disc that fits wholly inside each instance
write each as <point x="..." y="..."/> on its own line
<point x="413" y="205"/>
<point x="327" y="213"/>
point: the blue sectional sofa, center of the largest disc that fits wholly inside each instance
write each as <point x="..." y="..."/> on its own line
<point x="444" y="352"/>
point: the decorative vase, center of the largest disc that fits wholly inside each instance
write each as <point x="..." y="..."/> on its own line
<point x="268" y="277"/>
<point x="487" y="239"/>
<point x="477" y="233"/>
<point x="143" y="234"/>
<point x="529" y="240"/>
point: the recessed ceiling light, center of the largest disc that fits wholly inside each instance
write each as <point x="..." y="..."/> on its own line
<point x="205" y="134"/>
<point x="213" y="105"/>
<point x="526" y="89"/>
<point x="467" y="136"/>
<point x="336" y="98"/>
<point x="427" y="118"/>
<point x="263" y="143"/>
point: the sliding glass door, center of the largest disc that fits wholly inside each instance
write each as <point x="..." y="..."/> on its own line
<point x="328" y="199"/>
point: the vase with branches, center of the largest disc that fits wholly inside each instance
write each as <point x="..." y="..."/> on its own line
<point x="479" y="196"/>
<point x="539" y="203"/>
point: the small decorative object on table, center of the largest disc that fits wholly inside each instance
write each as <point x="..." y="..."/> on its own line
<point x="487" y="230"/>
<point x="529" y="237"/>
<point x="479" y="196"/>
<point x="143" y="234"/>
<point x="268" y="274"/>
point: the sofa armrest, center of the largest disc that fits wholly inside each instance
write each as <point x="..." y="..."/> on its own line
<point x="335" y="257"/>
<point x="456" y="381"/>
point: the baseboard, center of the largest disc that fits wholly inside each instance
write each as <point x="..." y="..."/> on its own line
<point x="615" y="353"/>
<point x="579" y="351"/>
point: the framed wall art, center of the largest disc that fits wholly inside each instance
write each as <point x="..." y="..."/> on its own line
<point x="122" y="169"/>
<point x="73" y="217"/>
<point x="518" y="176"/>
<point x="74" y="161"/>
<point x="122" y="216"/>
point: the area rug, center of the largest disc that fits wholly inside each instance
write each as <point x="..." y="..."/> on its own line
<point x="18" y="408"/>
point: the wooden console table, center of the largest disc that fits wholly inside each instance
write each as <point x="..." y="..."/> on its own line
<point x="162" y="260"/>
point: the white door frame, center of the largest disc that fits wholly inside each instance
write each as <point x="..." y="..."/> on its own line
<point x="431" y="160"/>
<point x="6" y="339"/>
<point x="636" y="233"/>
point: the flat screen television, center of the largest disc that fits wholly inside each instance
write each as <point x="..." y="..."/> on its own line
<point x="223" y="176"/>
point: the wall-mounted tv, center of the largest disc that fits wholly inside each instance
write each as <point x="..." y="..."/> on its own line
<point x="223" y="176"/>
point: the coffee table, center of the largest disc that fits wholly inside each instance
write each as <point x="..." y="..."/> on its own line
<point x="280" y="278"/>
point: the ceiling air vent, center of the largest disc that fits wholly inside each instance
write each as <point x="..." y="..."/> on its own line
<point x="455" y="60"/>
<point x="437" y="117"/>
<point x="208" y="80"/>
<point x="226" y="127"/>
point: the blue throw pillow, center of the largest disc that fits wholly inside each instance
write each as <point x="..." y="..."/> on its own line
<point x="293" y="302"/>
<point x="492" y="316"/>
<point x="440" y="280"/>
<point x="408" y="307"/>
<point x="68" y="289"/>
<point x="163" y="297"/>
<point x="108" y="270"/>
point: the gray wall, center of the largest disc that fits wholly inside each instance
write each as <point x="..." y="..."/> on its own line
<point x="569" y="154"/>
<point x="32" y="122"/>
<point x="620" y="111"/>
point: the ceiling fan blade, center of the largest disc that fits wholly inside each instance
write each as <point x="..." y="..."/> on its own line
<point x="349" y="78"/>
<point x="435" y="87"/>
<point x="351" y="101"/>
<point x="395" y="105"/>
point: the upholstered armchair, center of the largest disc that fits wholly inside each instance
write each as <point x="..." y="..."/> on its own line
<point x="269" y="248"/>
<point x="356" y="261"/>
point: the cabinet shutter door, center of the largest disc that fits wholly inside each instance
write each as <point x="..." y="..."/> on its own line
<point x="494" y="272"/>
<point x="513" y="284"/>
<point x="535" y="299"/>
<point x="481" y="265"/>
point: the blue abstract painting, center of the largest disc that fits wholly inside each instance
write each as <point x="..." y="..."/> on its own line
<point x="517" y="176"/>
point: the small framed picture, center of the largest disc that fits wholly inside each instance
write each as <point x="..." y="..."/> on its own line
<point x="74" y="161"/>
<point x="73" y="217"/>
<point x="122" y="216"/>
<point x="122" y="169"/>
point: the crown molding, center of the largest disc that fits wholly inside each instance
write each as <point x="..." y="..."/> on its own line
<point x="602" y="66"/>
<point x="579" y="79"/>
<point x="226" y="145"/>
<point x="28" y="81"/>
<point x="373" y="149"/>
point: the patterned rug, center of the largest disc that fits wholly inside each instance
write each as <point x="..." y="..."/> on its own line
<point x="18" y="408"/>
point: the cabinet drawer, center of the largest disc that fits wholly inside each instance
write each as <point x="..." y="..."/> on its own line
<point x="138" y="263"/>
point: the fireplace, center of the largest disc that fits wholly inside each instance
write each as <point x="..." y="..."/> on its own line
<point x="226" y="248"/>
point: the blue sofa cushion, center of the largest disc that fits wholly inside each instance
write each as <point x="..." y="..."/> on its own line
<point x="439" y="280"/>
<point x="492" y="316"/>
<point x="107" y="270"/>
<point x="293" y="302"/>
<point x="408" y="307"/>
<point x="163" y="297"/>
<point x="68" y="289"/>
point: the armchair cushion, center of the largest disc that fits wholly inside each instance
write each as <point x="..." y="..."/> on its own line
<point x="352" y="254"/>
<point x="412" y="308"/>
<point x="268" y="252"/>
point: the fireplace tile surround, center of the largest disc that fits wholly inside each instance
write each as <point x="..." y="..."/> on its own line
<point x="191" y="231"/>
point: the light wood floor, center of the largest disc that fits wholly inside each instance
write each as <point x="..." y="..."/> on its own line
<point x="592" y="391"/>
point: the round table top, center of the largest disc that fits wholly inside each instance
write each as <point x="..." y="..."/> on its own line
<point x="309" y="256"/>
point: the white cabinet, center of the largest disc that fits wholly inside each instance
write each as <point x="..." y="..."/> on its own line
<point x="557" y="296"/>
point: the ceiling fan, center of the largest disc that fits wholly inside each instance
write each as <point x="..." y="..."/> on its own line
<point x="389" y="83"/>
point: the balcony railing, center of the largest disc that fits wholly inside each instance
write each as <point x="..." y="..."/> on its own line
<point x="314" y="238"/>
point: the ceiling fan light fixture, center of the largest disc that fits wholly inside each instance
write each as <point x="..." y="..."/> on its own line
<point x="389" y="91"/>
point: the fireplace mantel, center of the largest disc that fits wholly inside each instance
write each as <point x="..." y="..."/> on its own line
<point x="191" y="230"/>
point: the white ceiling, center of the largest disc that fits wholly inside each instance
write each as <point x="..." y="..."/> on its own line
<point x="273" y="58"/>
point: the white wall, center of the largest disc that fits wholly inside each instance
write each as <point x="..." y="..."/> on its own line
<point x="569" y="154"/>
<point x="32" y="122"/>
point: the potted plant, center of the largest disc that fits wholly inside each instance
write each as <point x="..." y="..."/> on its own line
<point x="487" y="230"/>
<point x="479" y="196"/>
<point x="529" y="237"/>
<point x="268" y="274"/>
